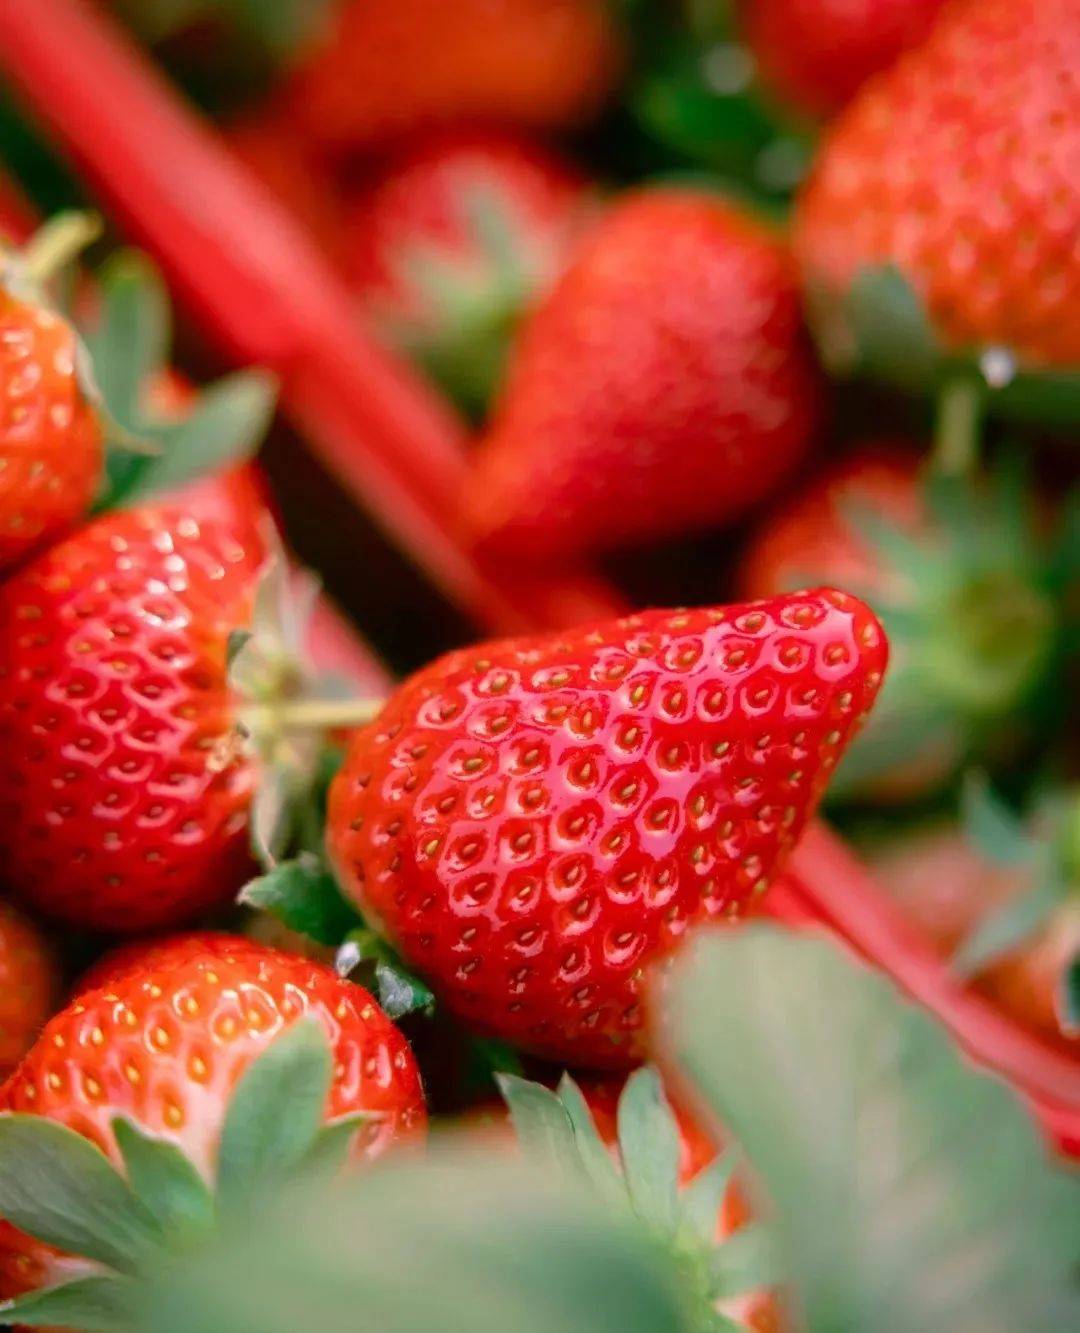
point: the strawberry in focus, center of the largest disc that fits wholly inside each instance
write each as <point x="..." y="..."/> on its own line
<point x="816" y="54"/>
<point x="29" y="985"/>
<point x="665" y="385"/>
<point x="535" y="821"/>
<point x="961" y="576"/>
<point x="149" y="955"/>
<point x="453" y="241"/>
<point x="383" y="70"/>
<point x="120" y="809"/>
<point x="165" y="1047"/>
<point x="960" y="168"/>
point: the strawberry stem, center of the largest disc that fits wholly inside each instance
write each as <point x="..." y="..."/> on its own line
<point x="57" y="243"/>
<point x="309" y="714"/>
<point x="956" y="438"/>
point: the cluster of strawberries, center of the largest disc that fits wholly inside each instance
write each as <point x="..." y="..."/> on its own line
<point x="534" y="825"/>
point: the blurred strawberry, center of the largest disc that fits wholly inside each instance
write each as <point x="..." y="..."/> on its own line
<point x="966" y="587"/>
<point x="452" y="243"/>
<point x="664" y="385"/>
<point x="29" y="985"/>
<point x="536" y="822"/>
<point x="816" y="54"/>
<point x="1003" y="899"/>
<point x="961" y="168"/>
<point x="384" y="69"/>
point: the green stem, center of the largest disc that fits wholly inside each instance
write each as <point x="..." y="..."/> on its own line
<point x="956" y="439"/>
<point x="57" y="243"/>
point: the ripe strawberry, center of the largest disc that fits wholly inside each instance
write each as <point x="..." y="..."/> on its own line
<point x="535" y="821"/>
<point x="454" y="240"/>
<point x="664" y="385"/>
<point x="120" y="808"/>
<point x="28" y="985"/>
<point x="51" y="447"/>
<point x="972" y="617"/>
<point x="386" y="69"/>
<point x="149" y="955"/>
<point x="816" y="54"/>
<point x="166" y="1046"/>
<point x="960" y="167"/>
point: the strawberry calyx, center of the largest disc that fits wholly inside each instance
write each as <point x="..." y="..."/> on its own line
<point x="878" y="326"/>
<point x="641" y="1175"/>
<point x="125" y="1220"/>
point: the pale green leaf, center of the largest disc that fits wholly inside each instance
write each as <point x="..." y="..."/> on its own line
<point x="90" y="1304"/>
<point x="745" y="1262"/>
<point x="649" y="1145"/>
<point x="541" y="1121"/>
<point x="700" y="1199"/>
<point x="164" y="1181"/>
<point x="594" y="1153"/>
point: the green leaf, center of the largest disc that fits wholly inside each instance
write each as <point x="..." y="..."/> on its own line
<point x="1069" y="1003"/>
<point x="594" y="1154"/>
<point x="700" y="1200"/>
<point x="59" y="1187"/>
<point x="910" y="1192"/>
<point x="649" y="1146"/>
<point x="90" y="1303"/>
<point x="164" y="1181"/>
<point x="541" y="1122"/>
<point x="275" y="1113"/>
<point x="303" y="895"/>
<point x="400" y="992"/>
<point x="333" y="1143"/>
<point x="991" y="827"/>
<point x="130" y="341"/>
<point x="460" y="1242"/>
<point x="1012" y="924"/>
<point x="744" y="1262"/>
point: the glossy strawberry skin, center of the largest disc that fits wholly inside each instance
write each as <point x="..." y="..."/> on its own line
<point x="535" y="821"/>
<point x="664" y="385"/>
<point x="385" y="70"/>
<point x="122" y="805"/>
<point x="148" y="955"/>
<point x="166" y="1047"/>
<point x="51" y="448"/>
<point x="816" y="54"/>
<point x="29" y="985"/>
<point x="961" y="166"/>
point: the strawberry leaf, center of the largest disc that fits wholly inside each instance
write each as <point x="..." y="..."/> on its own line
<point x="333" y="1143"/>
<point x="90" y="1303"/>
<point x="700" y="1200"/>
<point x="275" y="1113"/>
<point x="595" y="1157"/>
<point x="164" y="1181"/>
<point x="61" y="1188"/>
<point x="540" y="1120"/>
<point x="400" y="992"/>
<point x="992" y="828"/>
<point x="1020" y="918"/>
<point x="649" y="1146"/>
<point x="857" y="1114"/>
<point x="744" y="1262"/>
<point x="303" y="895"/>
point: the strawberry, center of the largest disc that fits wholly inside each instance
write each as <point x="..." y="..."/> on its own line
<point x="121" y="807"/>
<point x="816" y="54"/>
<point x="642" y="1130"/>
<point x="385" y="69"/>
<point x="148" y="955"/>
<point x="51" y="440"/>
<point x="536" y="821"/>
<point x="664" y="385"/>
<point x="975" y="619"/>
<point x="961" y="168"/>
<point x="165" y="1047"/>
<point x="28" y="985"/>
<point x="454" y="240"/>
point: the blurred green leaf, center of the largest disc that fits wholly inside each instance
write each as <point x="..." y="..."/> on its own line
<point x="541" y="1122"/>
<point x="164" y="1181"/>
<point x="456" y="1242"/>
<point x="90" y="1304"/>
<point x="910" y="1192"/>
<point x="991" y="826"/>
<point x="1070" y="996"/>
<point x="303" y="895"/>
<point x="649" y="1146"/>
<point x="1002" y="931"/>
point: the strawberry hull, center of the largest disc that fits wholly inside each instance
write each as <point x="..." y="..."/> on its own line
<point x="261" y="293"/>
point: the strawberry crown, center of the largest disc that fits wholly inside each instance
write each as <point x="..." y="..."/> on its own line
<point x="127" y="1219"/>
<point x="560" y="1129"/>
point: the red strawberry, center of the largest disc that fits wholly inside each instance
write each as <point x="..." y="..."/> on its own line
<point x="973" y="620"/>
<point x="454" y="240"/>
<point x="961" y="167"/>
<point x="816" y="54"/>
<point x="148" y="955"/>
<point x="385" y="69"/>
<point x="28" y="985"/>
<point x="119" y="807"/>
<point x="535" y="821"/>
<point x="664" y="385"/>
<point x="165" y="1047"/>
<point x="51" y="448"/>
